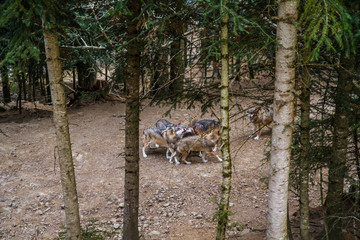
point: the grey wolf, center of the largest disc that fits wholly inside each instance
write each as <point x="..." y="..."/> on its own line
<point x="181" y="128"/>
<point x="204" y="126"/>
<point x="205" y="143"/>
<point x="259" y="117"/>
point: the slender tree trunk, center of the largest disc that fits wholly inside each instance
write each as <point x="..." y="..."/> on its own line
<point x="283" y="120"/>
<point x="5" y="84"/>
<point x="223" y="211"/>
<point x="67" y="172"/>
<point x="305" y="148"/>
<point x="20" y="85"/>
<point x="337" y="164"/>
<point x="74" y="77"/>
<point x="47" y="80"/>
<point x="131" y="195"/>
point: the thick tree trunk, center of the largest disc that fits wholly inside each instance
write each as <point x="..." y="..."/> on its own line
<point x="305" y="148"/>
<point x="224" y="114"/>
<point x="283" y="120"/>
<point x="337" y="164"/>
<point x="5" y="84"/>
<point x="67" y="172"/>
<point x="131" y="209"/>
<point x="177" y="66"/>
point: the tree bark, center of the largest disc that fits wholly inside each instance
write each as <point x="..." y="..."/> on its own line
<point x="5" y="84"/>
<point x="283" y="120"/>
<point x="67" y="172"/>
<point x="337" y="164"/>
<point x="305" y="148"/>
<point x="132" y="125"/>
<point x="177" y="66"/>
<point x="86" y="75"/>
<point x="223" y="211"/>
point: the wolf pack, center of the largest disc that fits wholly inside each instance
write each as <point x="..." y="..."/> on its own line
<point x="197" y="136"/>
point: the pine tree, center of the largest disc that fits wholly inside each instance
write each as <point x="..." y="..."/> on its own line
<point x="131" y="192"/>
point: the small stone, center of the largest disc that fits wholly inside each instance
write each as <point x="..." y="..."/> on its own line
<point x="154" y="233"/>
<point x="121" y="205"/>
<point x="245" y="231"/>
<point x="117" y="225"/>
<point x="198" y="216"/>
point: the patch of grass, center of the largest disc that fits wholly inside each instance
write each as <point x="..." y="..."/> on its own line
<point x="92" y="231"/>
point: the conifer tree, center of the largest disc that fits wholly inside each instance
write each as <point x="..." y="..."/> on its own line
<point x="131" y="187"/>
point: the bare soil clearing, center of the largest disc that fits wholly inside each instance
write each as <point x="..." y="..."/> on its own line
<point x="176" y="202"/>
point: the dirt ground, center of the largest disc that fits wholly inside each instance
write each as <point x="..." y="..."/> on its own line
<point x="176" y="202"/>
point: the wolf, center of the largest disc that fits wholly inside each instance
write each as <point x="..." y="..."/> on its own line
<point x="205" y="143"/>
<point x="181" y="128"/>
<point x="259" y="117"/>
<point x="204" y="126"/>
<point x="167" y="138"/>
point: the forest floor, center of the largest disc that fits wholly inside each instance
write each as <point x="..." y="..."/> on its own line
<point x="176" y="201"/>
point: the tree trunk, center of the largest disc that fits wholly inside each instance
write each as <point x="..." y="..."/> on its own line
<point x="305" y="148"/>
<point x="177" y="67"/>
<point x="67" y="172"/>
<point x="47" y="80"/>
<point x="337" y="164"/>
<point x="5" y="84"/>
<point x="131" y="194"/>
<point x="223" y="211"/>
<point x="283" y="120"/>
<point x="86" y="75"/>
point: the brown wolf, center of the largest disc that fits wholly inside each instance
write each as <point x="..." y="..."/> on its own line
<point x="259" y="117"/>
<point x="204" y="143"/>
<point x="166" y="138"/>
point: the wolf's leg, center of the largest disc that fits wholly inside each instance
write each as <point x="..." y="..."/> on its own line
<point x="203" y="157"/>
<point x="258" y="133"/>
<point x="171" y="158"/>
<point x="214" y="155"/>
<point x="146" y="144"/>
<point x="176" y="161"/>
<point x="168" y="153"/>
<point x="184" y="156"/>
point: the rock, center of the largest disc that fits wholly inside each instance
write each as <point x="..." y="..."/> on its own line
<point x="117" y="225"/>
<point x="182" y="214"/>
<point x="245" y="231"/>
<point x="152" y="233"/>
<point x="121" y="205"/>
